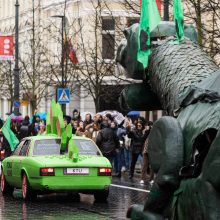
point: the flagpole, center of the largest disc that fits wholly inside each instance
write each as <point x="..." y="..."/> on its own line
<point x="62" y="56"/>
<point x="166" y="10"/>
<point x="16" y="68"/>
<point x="62" y="59"/>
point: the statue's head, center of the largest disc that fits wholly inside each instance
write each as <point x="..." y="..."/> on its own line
<point x="127" y="50"/>
<point x="127" y="53"/>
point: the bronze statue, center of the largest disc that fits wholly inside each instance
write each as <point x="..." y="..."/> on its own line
<point x="184" y="147"/>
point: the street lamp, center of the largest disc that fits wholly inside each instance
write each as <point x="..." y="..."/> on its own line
<point x="166" y="10"/>
<point x="16" y="68"/>
<point x="62" y="55"/>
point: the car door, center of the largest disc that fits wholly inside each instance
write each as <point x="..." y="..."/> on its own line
<point x="10" y="165"/>
<point x="18" y="162"/>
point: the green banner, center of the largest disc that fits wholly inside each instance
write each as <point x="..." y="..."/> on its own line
<point x="179" y="19"/>
<point x="150" y="18"/>
<point x="9" y="134"/>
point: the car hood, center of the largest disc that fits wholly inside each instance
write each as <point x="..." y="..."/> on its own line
<point x="65" y="161"/>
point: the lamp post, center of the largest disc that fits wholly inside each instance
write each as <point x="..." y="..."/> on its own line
<point x="16" y="68"/>
<point x="62" y="55"/>
<point x="166" y="10"/>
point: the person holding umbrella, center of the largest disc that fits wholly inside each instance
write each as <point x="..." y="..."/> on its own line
<point x="138" y="137"/>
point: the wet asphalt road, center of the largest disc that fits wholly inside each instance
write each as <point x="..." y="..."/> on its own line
<point x="123" y="193"/>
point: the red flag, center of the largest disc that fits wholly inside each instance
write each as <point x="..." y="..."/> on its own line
<point x="72" y="53"/>
<point x="158" y="5"/>
<point x="6" y="47"/>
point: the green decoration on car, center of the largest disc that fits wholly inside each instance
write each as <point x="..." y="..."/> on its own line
<point x="53" y="117"/>
<point x="68" y="132"/>
<point x="60" y="127"/>
<point x="48" y="124"/>
<point x="55" y="125"/>
<point x="73" y="151"/>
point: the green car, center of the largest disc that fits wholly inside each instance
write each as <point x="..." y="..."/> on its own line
<point x="38" y="166"/>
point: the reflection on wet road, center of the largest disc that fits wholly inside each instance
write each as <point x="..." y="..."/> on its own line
<point x="123" y="193"/>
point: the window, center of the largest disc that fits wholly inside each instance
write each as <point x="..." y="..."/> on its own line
<point x="108" y="24"/>
<point x="131" y="21"/>
<point x="25" y="148"/>
<point x="86" y="147"/>
<point x="110" y="97"/>
<point x="47" y="147"/>
<point x="108" y="46"/>
<point x="18" y="148"/>
<point x="108" y="38"/>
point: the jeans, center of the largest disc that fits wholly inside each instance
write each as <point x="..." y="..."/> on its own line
<point x="134" y="158"/>
<point x="111" y="159"/>
<point x="127" y="158"/>
<point x="118" y="162"/>
<point x="144" y="166"/>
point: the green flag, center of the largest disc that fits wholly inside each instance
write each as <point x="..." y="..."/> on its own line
<point x="150" y="18"/>
<point x="53" y="117"/>
<point x="9" y="135"/>
<point x="178" y="17"/>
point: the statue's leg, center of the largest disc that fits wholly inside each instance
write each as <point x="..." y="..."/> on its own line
<point x="165" y="148"/>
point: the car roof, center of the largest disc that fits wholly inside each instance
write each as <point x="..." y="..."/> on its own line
<point x="53" y="136"/>
<point x="41" y="137"/>
<point x="74" y="137"/>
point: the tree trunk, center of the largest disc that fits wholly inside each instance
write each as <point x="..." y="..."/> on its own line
<point x="199" y="23"/>
<point x="33" y="103"/>
<point x="97" y="103"/>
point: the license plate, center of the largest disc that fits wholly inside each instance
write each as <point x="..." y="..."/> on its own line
<point x="76" y="171"/>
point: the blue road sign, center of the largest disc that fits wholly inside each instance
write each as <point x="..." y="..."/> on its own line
<point x="63" y="95"/>
<point x="16" y="104"/>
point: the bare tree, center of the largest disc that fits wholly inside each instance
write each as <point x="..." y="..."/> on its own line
<point x="34" y="76"/>
<point x="205" y="16"/>
<point x="132" y="5"/>
<point x="6" y="81"/>
<point x="96" y="71"/>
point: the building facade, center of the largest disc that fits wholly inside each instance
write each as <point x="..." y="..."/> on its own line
<point x="94" y="28"/>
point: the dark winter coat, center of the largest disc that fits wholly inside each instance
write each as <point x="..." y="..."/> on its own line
<point x="107" y="142"/>
<point x="4" y="145"/>
<point x="24" y="130"/>
<point x="138" y="137"/>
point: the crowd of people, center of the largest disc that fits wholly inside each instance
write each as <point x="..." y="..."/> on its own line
<point x="123" y="144"/>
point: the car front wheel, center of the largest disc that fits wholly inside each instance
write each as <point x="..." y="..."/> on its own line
<point x="27" y="192"/>
<point x="6" y="189"/>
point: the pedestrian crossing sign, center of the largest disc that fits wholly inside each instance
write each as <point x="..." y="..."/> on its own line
<point x="63" y="95"/>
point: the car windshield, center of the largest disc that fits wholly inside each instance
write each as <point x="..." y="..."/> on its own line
<point x="47" y="147"/>
<point x="86" y="147"/>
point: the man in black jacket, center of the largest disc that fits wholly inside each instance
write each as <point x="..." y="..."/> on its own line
<point x="138" y="137"/>
<point x="108" y="142"/>
<point x="25" y="128"/>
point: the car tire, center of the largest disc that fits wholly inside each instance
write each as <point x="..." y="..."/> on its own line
<point x="6" y="189"/>
<point x="101" y="196"/>
<point x="27" y="192"/>
<point x="75" y="197"/>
